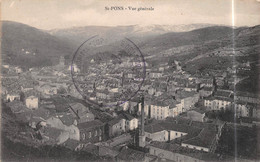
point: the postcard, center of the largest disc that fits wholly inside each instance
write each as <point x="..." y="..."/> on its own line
<point x="130" y="80"/>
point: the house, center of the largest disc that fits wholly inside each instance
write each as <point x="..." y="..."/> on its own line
<point x="244" y="109"/>
<point x="74" y="68"/>
<point x="53" y="135"/>
<point x="194" y="137"/>
<point x="187" y="99"/>
<point x="174" y="152"/>
<point x="104" y="94"/>
<point x="217" y="103"/>
<point x="11" y="96"/>
<point x="92" y="131"/>
<point x="81" y="112"/>
<point x="18" y="70"/>
<point x="73" y="145"/>
<point x="125" y="105"/>
<point x="175" y="109"/>
<point x="191" y="87"/>
<point x="128" y="154"/>
<point x="168" y="131"/>
<point x="196" y="115"/>
<point x="131" y="122"/>
<point x="64" y="123"/>
<point x="38" y="118"/>
<point x="48" y="89"/>
<point x="207" y="82"/>
<point x="256" y="112"/>
<point x="32" y="102"/>
<point x="27" y="86"/>
<point x="224" y="93"/>
<point x="246" y="97"/>
<point x="161" y="108"/>
<point x="206" y="92"/>
<point x="155" y="74"/>
<point x="203" y="142"/>
<point x="116" y="126"/>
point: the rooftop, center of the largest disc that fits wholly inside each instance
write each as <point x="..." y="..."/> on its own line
<point x="157" y="127"/>
<point x="128" y="154"/>
<point x="90" y="124"/>
<point x="204" y="139"/>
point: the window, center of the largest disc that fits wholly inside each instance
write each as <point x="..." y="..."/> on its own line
<point x="89" y="134"/>
<point x="176" y="134"/>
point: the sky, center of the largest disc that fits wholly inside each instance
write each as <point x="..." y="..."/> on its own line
<point x="56" y="14"/>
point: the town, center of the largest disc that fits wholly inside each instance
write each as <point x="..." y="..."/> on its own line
<point x="175" y="115"/>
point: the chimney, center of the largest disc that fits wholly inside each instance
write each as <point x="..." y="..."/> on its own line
<point x="142" y="134"/>
<point x="142" y="116"/>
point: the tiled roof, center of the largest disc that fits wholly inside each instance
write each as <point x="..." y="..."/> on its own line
<point x="90" y="124"/>
<point x="246" y="94"/>
<point x="223" y="94"/>
<point x="204" y="139"/>
<point x="185" y="94"/>
<point x="128" y="154"/>
<point x="31" y="93"/>
<point x="51" y="132"/>
<point x="153" y="128"/>
<point x="41" y="112"/>
<point x="115" y="120"/>
<point x="66" y="119"/>
<point x="171" y="147"/>
<point x="190" y="152"/>
<point x="169" y="126"/>
<point x="207" y="89"/>
<point x="71" y="144"/>
<point x="127" y="116"/>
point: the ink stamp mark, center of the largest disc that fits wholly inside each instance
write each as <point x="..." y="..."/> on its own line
<point x="108" y="73"/>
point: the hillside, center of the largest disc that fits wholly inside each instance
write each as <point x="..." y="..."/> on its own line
<point x="26" y="46"/>
<point x="29" y="47"/>
<point x="77" y="35"/>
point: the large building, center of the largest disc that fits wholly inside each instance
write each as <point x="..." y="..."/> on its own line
<point x="92" y="131"/>
<point x="217" y="103"/>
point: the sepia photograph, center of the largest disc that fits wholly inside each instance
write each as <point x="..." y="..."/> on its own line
<point x="130" y="80"/>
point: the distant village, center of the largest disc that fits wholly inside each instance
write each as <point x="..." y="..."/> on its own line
<point x="174" y="115"/>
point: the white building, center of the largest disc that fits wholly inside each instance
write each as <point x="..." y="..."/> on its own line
<point x="32" y="102"/>
<point x="74" y="68"/>
<point x="131" y="123"/>
<point x="12" y="96"/>
<point x="217" y="103"/>
<point x="161" y="109"/>
<point x="242" y="109"/>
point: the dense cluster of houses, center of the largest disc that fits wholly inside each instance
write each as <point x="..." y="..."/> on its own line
<point x="47" y="100"/>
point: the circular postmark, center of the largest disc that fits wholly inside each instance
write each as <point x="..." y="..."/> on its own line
<point x="108" y="73"/>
